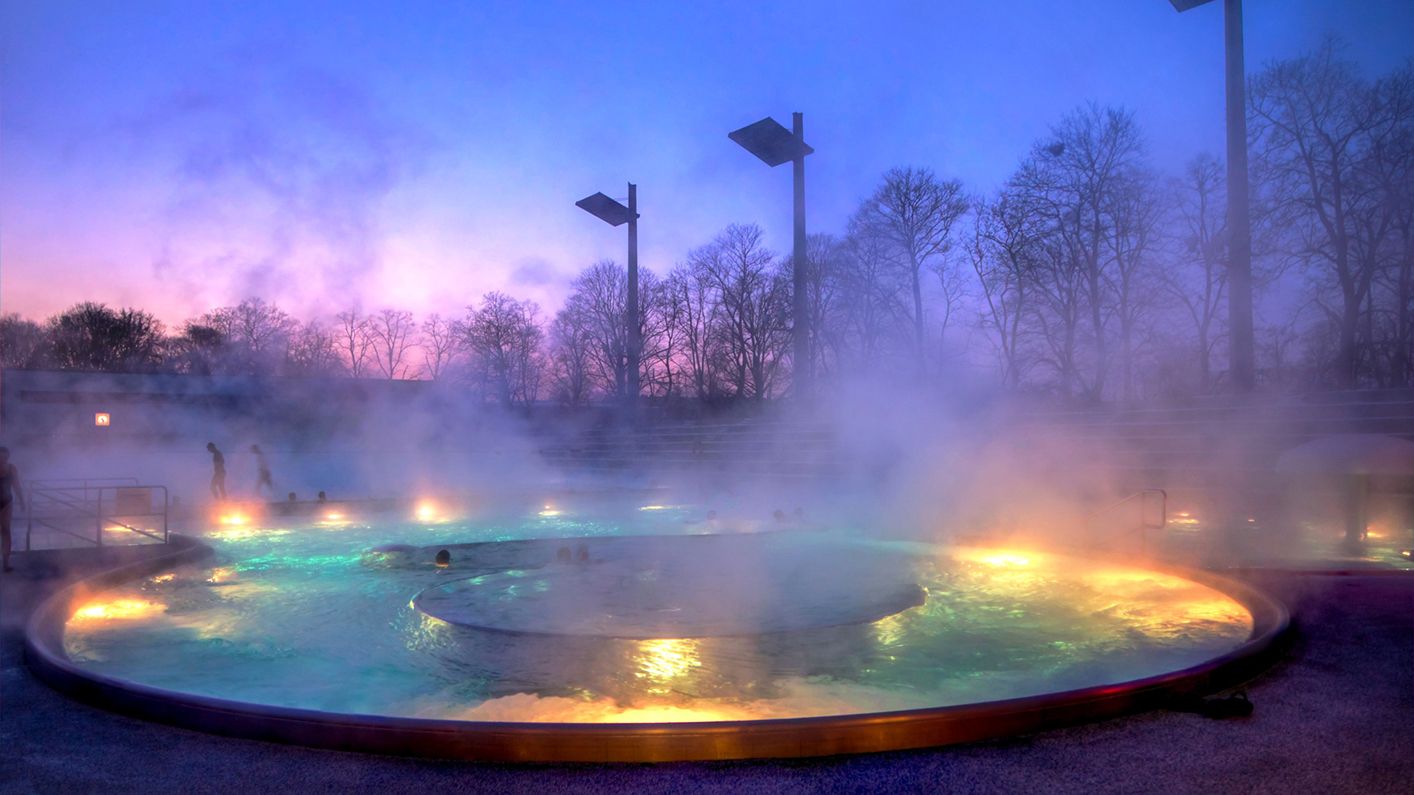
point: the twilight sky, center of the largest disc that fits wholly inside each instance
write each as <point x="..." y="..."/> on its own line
<point x="181" y="156"/>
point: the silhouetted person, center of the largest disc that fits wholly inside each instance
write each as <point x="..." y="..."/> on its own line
<point x="292" y="497"/>
<point x="582" y="554"/>
<point x="218" y="472"/>
<point x="323" y="497"/>
<point x="10" y="492"/>
<point x="443" y="559"/>
<point x="563" y="555"/>
<point x="262" y="471"/>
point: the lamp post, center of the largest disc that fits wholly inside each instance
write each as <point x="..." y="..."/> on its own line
<point x="1239" y="225"/>
<point x="775" y="145"/>
<point x="615" y="214"/>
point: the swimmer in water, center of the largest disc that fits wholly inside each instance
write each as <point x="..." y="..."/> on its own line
<point x="443" y="559"/>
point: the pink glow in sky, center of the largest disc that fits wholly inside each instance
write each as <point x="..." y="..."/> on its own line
<point x="179" y="157"/>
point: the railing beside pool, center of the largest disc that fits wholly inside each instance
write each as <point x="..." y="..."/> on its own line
<point x="86" y="509"/>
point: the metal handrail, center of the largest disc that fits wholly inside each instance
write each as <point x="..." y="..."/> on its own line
<point x="66" y="483"/>
<point x="77" y="498"/>
<point x="1144" y="524"/>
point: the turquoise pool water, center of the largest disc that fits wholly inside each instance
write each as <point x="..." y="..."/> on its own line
<point x="320" y="615"/>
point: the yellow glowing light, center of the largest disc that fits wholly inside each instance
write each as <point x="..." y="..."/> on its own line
<point x="334" y="516"/>
<point x="663" y="660"/>
<point x="523" y="707"/>
<point x="550" y="510"/>
<point x="426" y="511"/>
<point x="234" y="518"/>
<point x="116" y="610"/>
<point x="102" y="419"/>
<point x="653" y="508"/>
<point x="168" y="577"/>
<point x="222" y="574"/>
<point x="1001" y="558"/>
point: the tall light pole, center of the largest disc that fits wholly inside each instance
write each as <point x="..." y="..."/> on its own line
<point x="775" y="145"/>
<point x="615" y="214"/>
<point x="1239" y="225"/>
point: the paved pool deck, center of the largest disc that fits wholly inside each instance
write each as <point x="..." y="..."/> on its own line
<point x="1336" y="716"/>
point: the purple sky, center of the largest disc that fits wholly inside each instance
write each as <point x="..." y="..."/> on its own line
<point x="179" y="157"/>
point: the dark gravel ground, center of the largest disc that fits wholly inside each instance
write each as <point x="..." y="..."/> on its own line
<point x="1336" y="716"/>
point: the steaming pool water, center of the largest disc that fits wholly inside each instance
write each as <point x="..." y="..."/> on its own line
<point x="643" y="619"/>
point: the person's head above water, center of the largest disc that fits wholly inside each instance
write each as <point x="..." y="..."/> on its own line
<point x="444" y="557"/>
<point x="292" y="497"/>
<point x="322" y="497"/>
<point x="211" y="446"/>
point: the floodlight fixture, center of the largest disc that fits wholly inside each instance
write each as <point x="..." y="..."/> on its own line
<point x="771" y="142"/>
<point x="605" y="209"/>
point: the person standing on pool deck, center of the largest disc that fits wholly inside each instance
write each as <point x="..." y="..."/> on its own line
<point x="10" y="491"/>
<point x="262" y="471"/>
<point x="218" y="472"/>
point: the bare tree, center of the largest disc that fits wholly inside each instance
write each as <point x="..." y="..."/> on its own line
<point x="256" y="334"/>
<point x="1326" y="143"/>
<point x="503" y="337"/>
<point x="440" y="345"/>
<point x="570" y="343"/>
<point x="21" y="342"/>
<point x="1199" y="280"/>
<point x="915" y="211"/>
<point x="1002" y="253"/>
<point x="354" y="342"/>
<point x="1073" y="186"/>
<point x="91" y="336"/>
<point x="693" y="299"/>
<point x="311" y="351"/>
<point x="752" y="308"/>
<point x="392" y="334"/>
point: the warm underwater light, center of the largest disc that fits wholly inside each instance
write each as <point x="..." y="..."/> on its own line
<point x="550" y="510"/>
<point x="1001" y="557"/>
<point x="426" y="511"/>
<point x="116" y="609"/>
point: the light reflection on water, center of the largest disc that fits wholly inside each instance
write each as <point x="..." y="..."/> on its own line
<point x="302" y="617"/>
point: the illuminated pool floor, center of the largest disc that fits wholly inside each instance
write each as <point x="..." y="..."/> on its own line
<point x="312" y="617"/>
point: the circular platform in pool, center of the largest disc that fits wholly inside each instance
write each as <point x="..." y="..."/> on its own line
<point x="688" y="587"/>
<point x="299" y="634"/>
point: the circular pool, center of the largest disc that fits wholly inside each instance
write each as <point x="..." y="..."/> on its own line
<point x="557" y="637"/>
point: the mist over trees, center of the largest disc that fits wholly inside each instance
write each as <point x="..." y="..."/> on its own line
<point x="1088" y="275"/>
